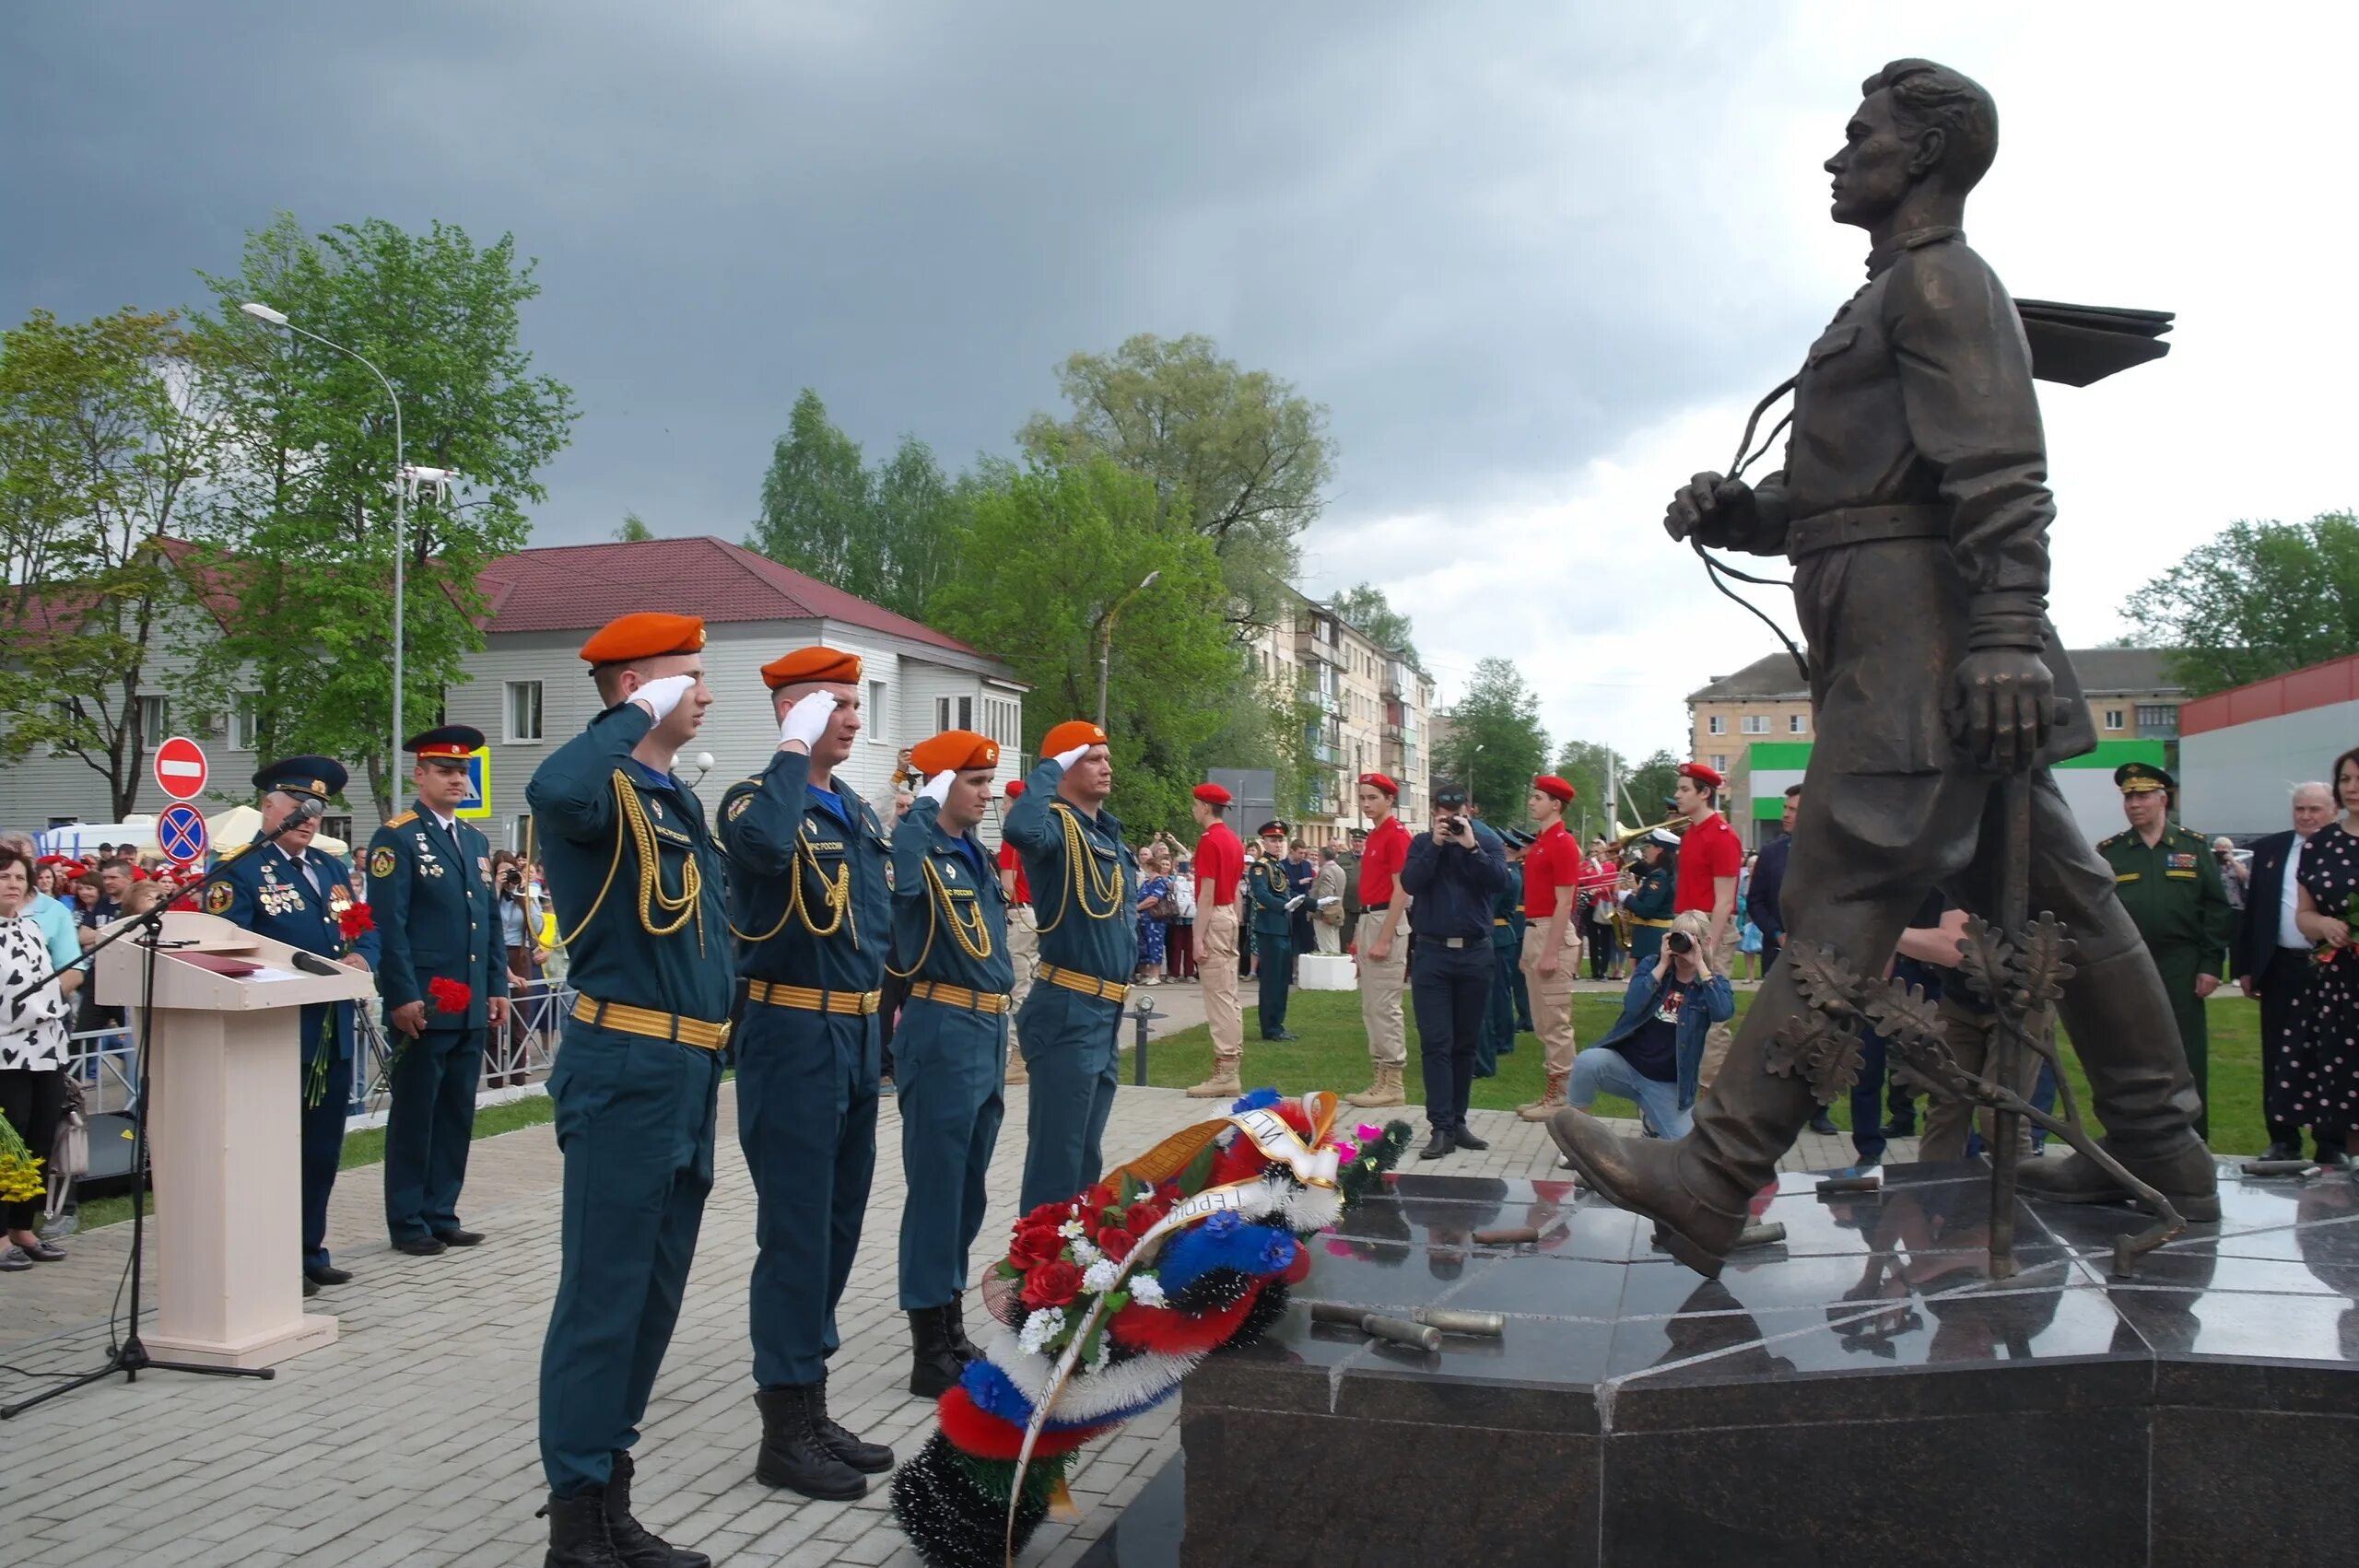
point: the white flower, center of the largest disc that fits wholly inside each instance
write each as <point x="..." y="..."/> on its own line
<point x="1100" y="1279"/>
<point x="1040" y="1328"/>
<point x="1085" y="1254"/>
<point x="1146" y="1290"/>
<point x="1070" y="1228"/>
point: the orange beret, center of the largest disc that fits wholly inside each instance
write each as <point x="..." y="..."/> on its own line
<point x="806" y="665"/>
<point x="1554" y="788"/>
<point x="954" y="750"/>
<point x="643" y="634"/>
<point x="1071" y="734"/>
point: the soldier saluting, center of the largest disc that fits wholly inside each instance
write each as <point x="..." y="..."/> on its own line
<point x="428" y="885"/>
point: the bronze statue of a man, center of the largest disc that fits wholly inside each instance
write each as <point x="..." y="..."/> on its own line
<point x="1915" y="507"/>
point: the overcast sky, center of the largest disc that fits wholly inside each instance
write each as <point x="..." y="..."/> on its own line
<point x="1537" y="260"/>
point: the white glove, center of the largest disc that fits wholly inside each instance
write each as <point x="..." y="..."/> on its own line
<point x="807" y="720"/>
<point x="937" y="788"/>
<point x="1066" y="759"/>
<point x="1294" y="903"/>
<point x="662" y="695"/>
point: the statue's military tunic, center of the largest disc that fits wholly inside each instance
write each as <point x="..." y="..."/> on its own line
<point x="1267" y="884"/>
<point x="438" y="919"/>
<point x="810" y="906"/>
<point x="2174" y="893"/>
<point x="950" y="922"/>
<point x="1506" y="948"/>
<point x="1085" y="903"/>
<point x="301" y="903"/>
<point x="637" y="885"/>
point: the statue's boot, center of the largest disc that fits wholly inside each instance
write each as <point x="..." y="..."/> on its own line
<point x="2123" y="1031"/>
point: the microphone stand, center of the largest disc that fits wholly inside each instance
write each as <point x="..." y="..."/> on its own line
<point x="131" y="1358"/>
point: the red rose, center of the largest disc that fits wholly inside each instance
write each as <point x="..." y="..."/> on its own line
<point x="1143" y="1218"/>
<point x="1035" y="1244"/>
<point x="1099" y="1199"/>
<point x="1116" y="1243"/>
<point x="1049" y="1214"/>
<point x="1051" y="1284"/>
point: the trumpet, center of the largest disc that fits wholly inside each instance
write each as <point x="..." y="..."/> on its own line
<point x="1623" y="841"/>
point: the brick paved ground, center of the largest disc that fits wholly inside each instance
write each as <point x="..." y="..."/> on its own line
<point x="411" y="1440"/>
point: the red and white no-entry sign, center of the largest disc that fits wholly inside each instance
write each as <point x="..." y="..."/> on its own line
<point x="179" y="767"/>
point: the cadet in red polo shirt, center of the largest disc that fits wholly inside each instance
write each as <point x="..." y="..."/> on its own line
<point x="1379" y="941"/>
<point x="1551" y="872"/>
<point x="1710" y="856"/>
<point x="1219" y="864"/>
<point x="1023" y="941"/>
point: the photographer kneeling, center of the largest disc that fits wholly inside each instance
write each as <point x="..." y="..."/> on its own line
<point x="1652" y="1053"/>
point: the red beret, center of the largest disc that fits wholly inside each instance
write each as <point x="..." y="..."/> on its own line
<point x="1554" y="788"/>
<point x="1071" y="734"/>
<point x="1378" y="781"/>
<point x="1212" y="795"/>
<point x="806" y="665"/>
<point x="1709" y="777"/>
<point x="954" y="750"/>
<point x="1014" y="787"/>
<point x="643" y="634"/>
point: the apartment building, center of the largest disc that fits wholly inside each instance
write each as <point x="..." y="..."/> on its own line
<point x="1372" y="709"/>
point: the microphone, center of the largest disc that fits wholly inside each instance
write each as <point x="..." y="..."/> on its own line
<point x="312" y="963"/>
<point x="305" y="810"/>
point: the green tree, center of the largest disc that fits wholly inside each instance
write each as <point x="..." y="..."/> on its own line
<point x="1590" y="768"/>
<point x="1238" y="453"/>
<point x="1363" y="605"/>
<point x="634" y="530"/>
<point x="1650" y="785"/>
<point x="1054" y="546"/>
<point x="1496" y="744"/>
<point x="919" y="519"/>
<point x="106" y="431"/>
<point x="2261" y="599"/>
<point x="300" y="520"/>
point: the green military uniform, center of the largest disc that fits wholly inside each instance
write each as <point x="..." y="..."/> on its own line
<point x="635" y="1081"/>
<point x="1648" y="907"/>
<point x="2174" y="894"/>
<point x="1267" y="886"/>
<point x="428" y="885"/>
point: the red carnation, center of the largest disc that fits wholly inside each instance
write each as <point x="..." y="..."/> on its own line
<point x="1035" y="1244"/>
<point x="1116" y="1243"/>
<point x="356" y="920"/>
<point x="1143" y="1218"/>
<point x="1053" y="1284"/>
<point x="449" y="996"/>
<point x="1099" y="1199"/>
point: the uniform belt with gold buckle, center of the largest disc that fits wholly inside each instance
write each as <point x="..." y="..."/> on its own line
<point x="811" y="999"/>
<point x="959" y="996"/>
<point x="1642" y="920"/>
<point x="654" y="1024"/>
<point x="1088" y="985"/>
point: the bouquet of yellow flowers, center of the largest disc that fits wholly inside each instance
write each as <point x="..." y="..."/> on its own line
<point x="20" y="1177"/>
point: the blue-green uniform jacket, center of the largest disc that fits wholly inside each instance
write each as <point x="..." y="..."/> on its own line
<point x="1266" y="880"/>
<point x="589" y="799"/>
<point x="1091" y="940"/>
<point x="791" y="855"/>
<point x="1650" y="900"/>
<point x="263" y="889"/>
<point x="938" y="891"/>
<point x="438" y="916"/>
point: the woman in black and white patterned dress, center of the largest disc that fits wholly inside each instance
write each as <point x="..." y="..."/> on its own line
<point x="32" y="1050"/>
<point x="2328" y="1059"/>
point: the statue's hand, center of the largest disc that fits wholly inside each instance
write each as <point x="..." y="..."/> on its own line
<point x="2003" y="705"/>
<point x="1712" y="510"/>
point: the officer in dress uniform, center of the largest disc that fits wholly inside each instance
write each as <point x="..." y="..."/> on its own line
<point x="280" y="887"/>
<point x="812" y="912"/>
<point x="1648" y="905"/>
<point x="1270" y="885"/>
<point x="637" y="885"/>
<point x="428" y="887"/>
<point x="2170" y="884"/>
<point x="1084" y="904"/>
<point x="950" y="926"/>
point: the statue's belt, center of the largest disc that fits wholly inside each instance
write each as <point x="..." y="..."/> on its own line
<point x="1863" y="525"/>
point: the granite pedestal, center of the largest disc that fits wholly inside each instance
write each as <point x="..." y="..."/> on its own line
<point x="1863" y="1392"/>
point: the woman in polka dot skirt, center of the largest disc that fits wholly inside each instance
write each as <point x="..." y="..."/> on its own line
<point x="2326" y="1055"/>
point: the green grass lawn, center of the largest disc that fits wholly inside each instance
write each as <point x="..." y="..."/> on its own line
<point x="1332" y="1054"/>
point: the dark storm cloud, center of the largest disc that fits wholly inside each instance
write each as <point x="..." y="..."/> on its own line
<point x="1449" y="224"/>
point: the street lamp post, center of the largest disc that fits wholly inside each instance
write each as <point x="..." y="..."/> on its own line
<point x="1105" y="638"/>
<point x="263" y="313"/>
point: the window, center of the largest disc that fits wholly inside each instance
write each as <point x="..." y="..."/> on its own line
<point x="1003" y="721"/>
<point x="520" y="833"/>
<point x="876" y="722"/>
<point x="2113" y="719"/>
<point x="524" y="711"/>
<point x="153" y="713"/>
<point x="1720" y="762"/>
<point x="2157" y="719"/>
<point x="954" y="712"/>
<point x="1797" y="723"/>
<point x="1716" y="724"/>
<point x="336" y="827"/>
<point x="1755" y="724"/>
<point x="245" y="723"/>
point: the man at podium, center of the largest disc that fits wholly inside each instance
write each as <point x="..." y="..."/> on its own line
<point x="280" y="887"/>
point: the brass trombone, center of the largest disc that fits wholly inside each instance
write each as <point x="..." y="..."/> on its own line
<point x="1623" y="841"/>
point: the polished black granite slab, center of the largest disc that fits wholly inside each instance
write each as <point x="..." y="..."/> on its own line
<point x="1864" y="1387"/>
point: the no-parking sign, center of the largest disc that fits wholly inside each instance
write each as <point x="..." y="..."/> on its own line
<point x="180" y="833"/>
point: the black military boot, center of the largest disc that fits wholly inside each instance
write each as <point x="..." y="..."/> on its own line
<point x="933" y="1360"/>
<point x="633" y="1542"/>
<point x="953" y="1319"/>
<point x="577" y="1534"/>
<point x="869" y="1458"/>
<point x="792" y="1454"/>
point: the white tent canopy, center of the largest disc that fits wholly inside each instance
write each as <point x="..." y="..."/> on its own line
<point x="225" y="829"/>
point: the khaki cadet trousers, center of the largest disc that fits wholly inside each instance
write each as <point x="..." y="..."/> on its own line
<point x="1217" y="970"/>
<point x="1380" y="983"/>
<point x="1717" y="1042"/>
<point x="1552" y="995"/>
<point x="1023" y="947"/>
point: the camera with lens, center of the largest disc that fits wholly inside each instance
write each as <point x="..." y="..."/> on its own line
<point x="1681" y="941"/>
<point x="1456" y="825"/>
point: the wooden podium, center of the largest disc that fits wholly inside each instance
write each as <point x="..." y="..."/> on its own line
<point x="224" y="1136"/>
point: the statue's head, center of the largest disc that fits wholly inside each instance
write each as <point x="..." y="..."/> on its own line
<point x="1916" y="123"/>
